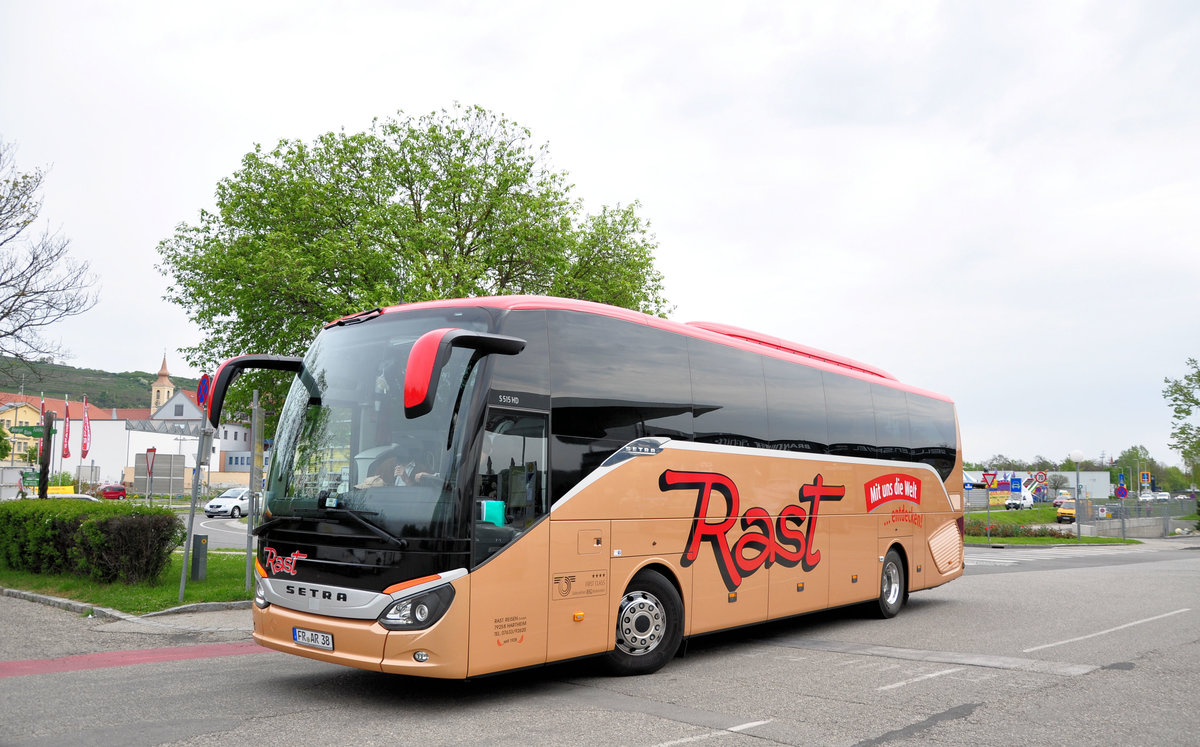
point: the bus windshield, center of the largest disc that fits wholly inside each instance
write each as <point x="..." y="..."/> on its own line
<point x="344" y="446"/>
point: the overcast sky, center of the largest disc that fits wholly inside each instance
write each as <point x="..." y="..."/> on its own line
<point x="996" y="201"/>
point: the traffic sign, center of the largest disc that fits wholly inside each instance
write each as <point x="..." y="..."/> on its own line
<point x="1120" y="478"/>
<point x="202" y="389"/>
<point x="1040" y="477"/>
<point x="33" y="431"/>
<point x="1122" y="491"/>
<point x="989" y="479"/>
<point x="1014" y="485"/>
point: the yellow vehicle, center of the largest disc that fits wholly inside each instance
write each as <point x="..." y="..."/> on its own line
<point x="1066" y="512"/>
<point x="465" y="487"/>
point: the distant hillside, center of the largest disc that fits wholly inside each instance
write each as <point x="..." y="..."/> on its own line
<point x="103" y="389"/>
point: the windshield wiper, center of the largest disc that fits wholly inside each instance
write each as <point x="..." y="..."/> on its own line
<point x="384" y="535"/>
<point x="325" y="513"/>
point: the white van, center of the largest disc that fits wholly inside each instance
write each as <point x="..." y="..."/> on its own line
<point x="1017" y="501"/>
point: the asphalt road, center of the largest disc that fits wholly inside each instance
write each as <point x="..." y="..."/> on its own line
<point x="1097" y="647"/>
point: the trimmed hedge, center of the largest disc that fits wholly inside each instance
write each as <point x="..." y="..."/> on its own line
<point x="110" y="541"/>
<point x="978" y="528"/>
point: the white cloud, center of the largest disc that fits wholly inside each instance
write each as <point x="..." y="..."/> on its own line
<point x="996" y="201"/>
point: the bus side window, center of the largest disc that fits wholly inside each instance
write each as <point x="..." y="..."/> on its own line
<point x="511" y="478"/>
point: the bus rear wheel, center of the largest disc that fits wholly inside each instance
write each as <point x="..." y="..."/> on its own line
<point x="649" y="625"/>
<point x="892" y="587"/>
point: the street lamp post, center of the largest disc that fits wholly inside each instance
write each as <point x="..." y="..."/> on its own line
<point x="1077" y="455"/>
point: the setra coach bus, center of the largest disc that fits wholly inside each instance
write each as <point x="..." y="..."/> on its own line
<point x="465" y="487"/>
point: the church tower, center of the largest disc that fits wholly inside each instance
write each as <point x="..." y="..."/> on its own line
<point x="162" y="389"/>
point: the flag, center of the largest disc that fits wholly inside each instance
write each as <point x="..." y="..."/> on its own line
<point x="87" y="431"/>
<point x="67" y="429"/>
<point x="42" y="423"/>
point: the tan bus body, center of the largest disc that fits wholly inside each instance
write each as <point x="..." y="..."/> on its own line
<point x="465" y="487"/>
<point x="744" y="537"/>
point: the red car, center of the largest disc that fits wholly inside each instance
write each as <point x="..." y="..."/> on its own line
<point x="112" y="492"/>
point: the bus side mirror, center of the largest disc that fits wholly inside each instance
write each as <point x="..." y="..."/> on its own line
<point x="430" y="353"/>
<point x="232" y="368"/>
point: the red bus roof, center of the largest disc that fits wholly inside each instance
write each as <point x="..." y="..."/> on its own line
<point x="724" y="334"/>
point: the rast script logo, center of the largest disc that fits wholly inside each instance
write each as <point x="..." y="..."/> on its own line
<point x="787" y="541"/>
<point x="276" y="563"/>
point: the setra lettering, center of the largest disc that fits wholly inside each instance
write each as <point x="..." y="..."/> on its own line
<point x="301" y="591"/>
<point x="787" y="541"/>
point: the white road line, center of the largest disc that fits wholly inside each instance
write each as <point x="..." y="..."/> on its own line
<point x="711" y="734"/>
<point x="918" y="679"/>
<point x="1105" y="632"/>
<point x="750" y="725"/>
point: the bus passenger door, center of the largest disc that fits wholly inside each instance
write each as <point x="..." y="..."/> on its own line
<point x="511" y="544"/>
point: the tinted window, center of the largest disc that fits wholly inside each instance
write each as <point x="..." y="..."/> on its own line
<point x="933" y="432"/>
<point x="795" y="407"/>
<point x="891" y="422"/>
<point x="851" y="416"/>
<point x="613" y="381"/>
<point x="529" y="370"/>
<point x="729" y="401"/>
<point x="617" y="380"/>
<point x="510" y="483"/>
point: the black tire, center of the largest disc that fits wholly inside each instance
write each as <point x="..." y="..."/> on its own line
<point x="235" y="513"/>
<point x="649" y="625"/>
<point x="893" y="588"/>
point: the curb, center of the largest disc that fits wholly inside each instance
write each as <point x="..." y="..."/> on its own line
<point x="81" y="608"/>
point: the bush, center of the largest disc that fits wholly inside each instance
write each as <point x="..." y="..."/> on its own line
<point x="109" y="541"/>
<point x="978" y="528"/>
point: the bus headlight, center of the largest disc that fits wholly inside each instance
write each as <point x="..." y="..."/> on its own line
<point x="418" y="611"/>
<point x="260" y="595"/>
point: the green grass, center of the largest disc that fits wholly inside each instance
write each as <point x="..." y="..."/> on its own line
<point x="224" y="581"/>
<point x="1037" y="515"/>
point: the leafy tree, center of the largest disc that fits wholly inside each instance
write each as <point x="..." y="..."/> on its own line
<point x="5" y="442"/>
<point x="40" y="284"/>
<point x="1184" y="397"/>
<point x="451" y="204"/>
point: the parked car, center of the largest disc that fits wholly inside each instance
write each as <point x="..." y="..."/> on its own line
<point x="233" y="503"/>
<point x="74" y="497"/>
<point x="1063" y="495"/>
<point x="1066" y="512"/>
<point x="1024" y="500"/>
<point x="1162" y="496"/>
<point x="111" y="492"/>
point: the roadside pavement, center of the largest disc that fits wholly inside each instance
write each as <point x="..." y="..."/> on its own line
<point x="41" y="626"/>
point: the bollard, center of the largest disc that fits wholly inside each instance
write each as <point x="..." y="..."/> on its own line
<point x="199" y="556"/>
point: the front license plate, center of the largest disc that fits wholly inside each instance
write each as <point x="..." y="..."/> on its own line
<point x="313" y="638"/>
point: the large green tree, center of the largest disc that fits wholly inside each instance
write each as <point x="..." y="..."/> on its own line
<point x="451" y="204"/>
<point x="1184" y="397"/>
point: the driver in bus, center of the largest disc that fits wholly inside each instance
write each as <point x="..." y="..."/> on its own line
<point x="385" y="470"/>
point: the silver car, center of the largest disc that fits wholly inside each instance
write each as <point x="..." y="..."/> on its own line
<point x="233" y="503"/>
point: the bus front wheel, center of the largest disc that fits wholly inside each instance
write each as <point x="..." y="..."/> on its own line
<point x="649" y="625"/>
<point x="891" y="585"/>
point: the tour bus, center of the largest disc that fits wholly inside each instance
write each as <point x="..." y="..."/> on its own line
<point x="465" y="487"/>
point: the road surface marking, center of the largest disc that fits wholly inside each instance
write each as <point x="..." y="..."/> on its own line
<point x="126" y="658"/>
<point x="1105" y="632"/>
<point x="918" y="679"/>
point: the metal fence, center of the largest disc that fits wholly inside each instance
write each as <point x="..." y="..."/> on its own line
<point x="1130" y="518"/>
<point x="1133" y="517"/>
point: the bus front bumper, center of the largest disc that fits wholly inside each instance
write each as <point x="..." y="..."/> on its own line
<point x="439" y="651"/>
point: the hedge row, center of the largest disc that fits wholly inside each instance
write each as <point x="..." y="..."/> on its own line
<point x="977" y="528"/>
<point x="110" y="541"/>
